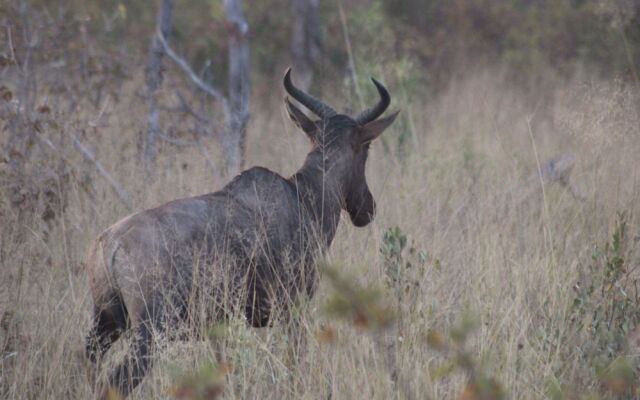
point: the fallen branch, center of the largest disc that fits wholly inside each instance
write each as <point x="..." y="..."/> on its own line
<point x="556" y="170"/>
<point x="177" y="142"/>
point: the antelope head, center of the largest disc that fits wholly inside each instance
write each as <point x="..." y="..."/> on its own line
<point x="341" y="145"/>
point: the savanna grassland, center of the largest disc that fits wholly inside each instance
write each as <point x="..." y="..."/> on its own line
<point x="481" y="277"/>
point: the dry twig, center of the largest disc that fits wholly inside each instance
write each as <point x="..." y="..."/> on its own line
<point x="89" y="156"/>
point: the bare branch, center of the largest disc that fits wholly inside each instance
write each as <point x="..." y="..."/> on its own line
<point x="177" y="142"/>
<point x="11" y="50"/>
<point x="154" y="78"/>
<point x="186" y="108"/>
<point x="192" y="75"/>
<point x="236" y="105"/>
<point x="207" y="157"/>
<point x="89" y="156"/>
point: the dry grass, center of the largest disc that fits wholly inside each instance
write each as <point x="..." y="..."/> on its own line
<point x="512" y="264"/>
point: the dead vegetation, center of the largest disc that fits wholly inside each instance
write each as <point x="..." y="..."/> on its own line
<point x="467" y="176"/>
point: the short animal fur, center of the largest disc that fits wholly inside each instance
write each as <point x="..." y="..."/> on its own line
<point x="251" y="246"/>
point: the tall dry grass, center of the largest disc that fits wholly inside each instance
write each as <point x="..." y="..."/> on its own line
<point x="446" y="175"/>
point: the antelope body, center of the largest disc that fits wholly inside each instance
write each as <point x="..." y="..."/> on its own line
<point x="249" y="247"/>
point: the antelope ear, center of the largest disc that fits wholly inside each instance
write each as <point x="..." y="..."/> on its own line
<point x="300" y="119"/>
<point x="373" y="129"/>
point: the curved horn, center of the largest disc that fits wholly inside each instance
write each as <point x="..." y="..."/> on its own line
<point x="316" y="106"/>
<point x="374" y="112"/>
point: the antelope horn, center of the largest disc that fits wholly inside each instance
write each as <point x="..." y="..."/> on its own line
<point x="374" y="112"/>
<point x="316" y="106"/>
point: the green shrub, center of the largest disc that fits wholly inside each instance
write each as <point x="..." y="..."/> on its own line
<point x="606" y="309"/>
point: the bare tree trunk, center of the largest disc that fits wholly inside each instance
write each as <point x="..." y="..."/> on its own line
<point x="233" y="140"/>
<point x="306" y="43"/>
<point x="153" y="75"/>
<point x="236" y="104"/>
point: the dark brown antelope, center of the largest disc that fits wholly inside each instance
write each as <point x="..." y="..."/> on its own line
<point x="250" y="247"/>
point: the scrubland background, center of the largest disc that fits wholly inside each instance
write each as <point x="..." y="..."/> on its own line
<point x="499" y="281"/>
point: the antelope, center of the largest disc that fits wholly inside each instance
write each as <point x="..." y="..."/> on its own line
<point x="248" y="248"/>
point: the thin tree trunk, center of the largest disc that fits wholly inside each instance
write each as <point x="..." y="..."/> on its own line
<point x="306" y="43"/>
<point x="233" y="140"/>
<point x="153" y="77"/>
<point x="236" y="104"/>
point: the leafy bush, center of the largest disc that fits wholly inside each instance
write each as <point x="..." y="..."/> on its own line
<point x="205" y="383"/>
<point x="606" y="310"/>
<point x="480" y="384"/>
<point x="361" y="305"/>
<point x="404" y="264"/>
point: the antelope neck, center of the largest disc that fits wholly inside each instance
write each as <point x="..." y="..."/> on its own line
<point x="320" y="196"/>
